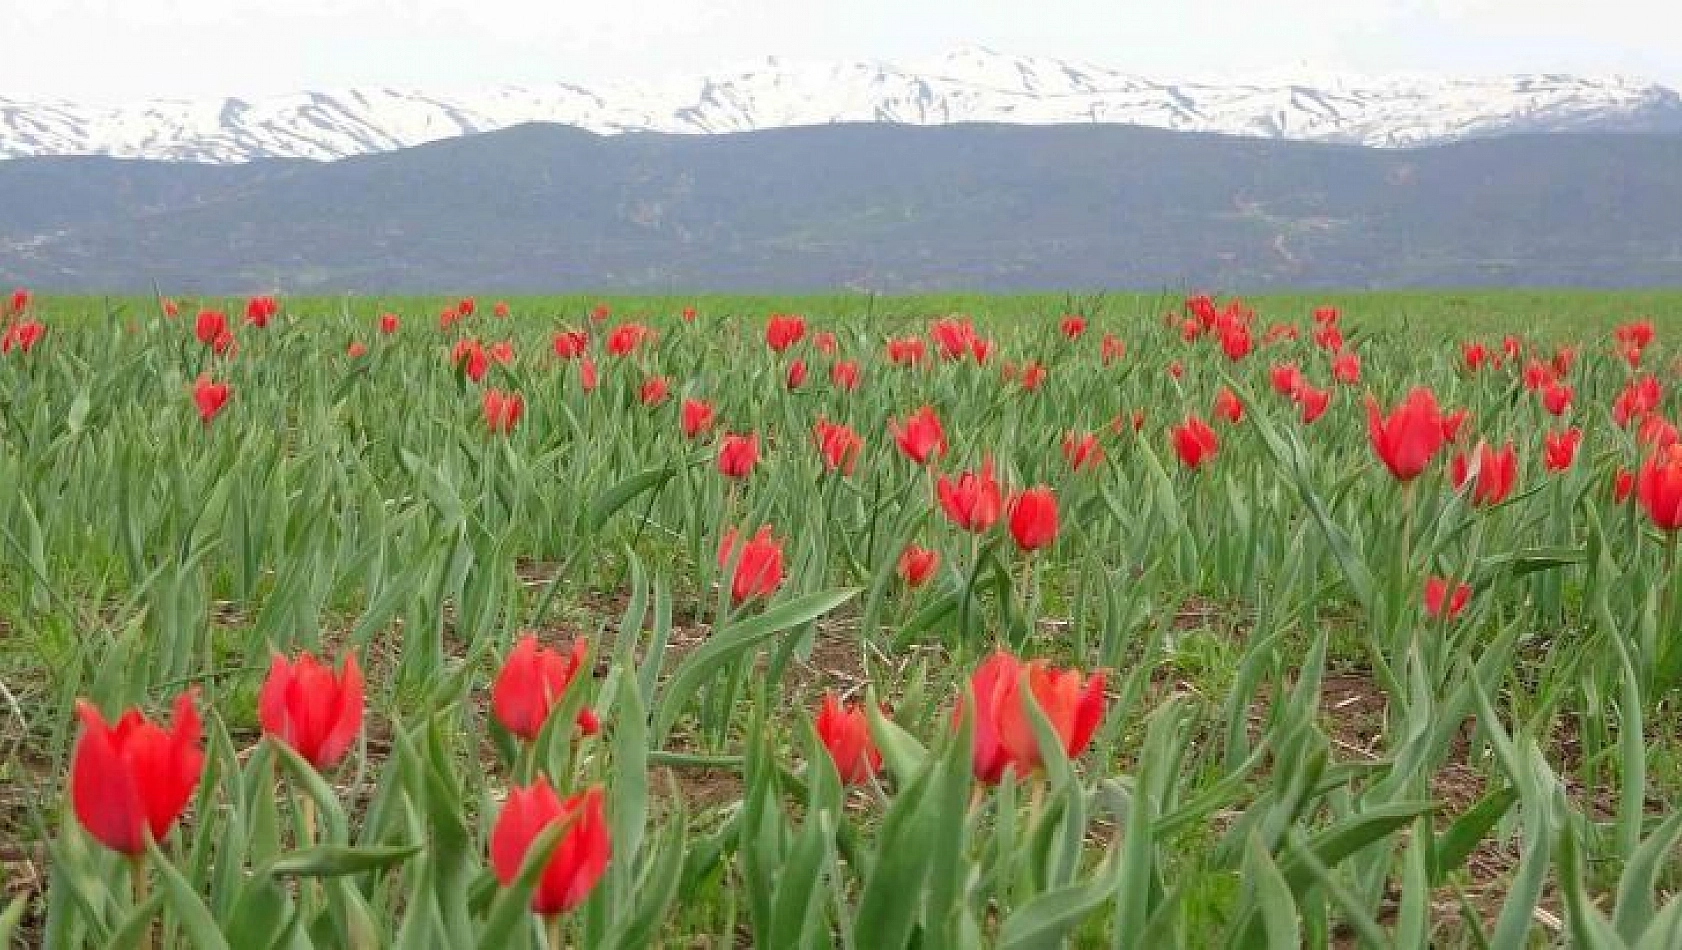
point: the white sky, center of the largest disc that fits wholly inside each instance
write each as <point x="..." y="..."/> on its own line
<point x="119" y="50"/>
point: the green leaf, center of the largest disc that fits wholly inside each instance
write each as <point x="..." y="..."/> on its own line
<point x="904" y="756"/>
<point x="1046" y="920"/>
<point x="135" y="926"/>
<point x="1453" y="846"/>
<point x="190" y="911"/>
<point x="1272" y="896"/>
<point x="729" y="645"/>
<point x="609" y="502"/>
<point x="334" y="860"/>
<point x="1634" y="910"/>
<point x="887" y="909"/>
<point x="512" y="905"/>
<point x="1332" y="846"/>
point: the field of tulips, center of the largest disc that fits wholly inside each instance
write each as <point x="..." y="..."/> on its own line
<point x="1125" y="622"/>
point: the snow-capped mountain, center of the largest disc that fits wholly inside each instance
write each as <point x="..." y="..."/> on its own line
<point x="971" y="85"/>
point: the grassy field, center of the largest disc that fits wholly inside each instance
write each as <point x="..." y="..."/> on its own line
<point x="1229" y="703"/>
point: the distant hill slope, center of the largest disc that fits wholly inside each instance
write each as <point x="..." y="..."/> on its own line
<point x="866" y="206"/>
<point x="974" y="84"/>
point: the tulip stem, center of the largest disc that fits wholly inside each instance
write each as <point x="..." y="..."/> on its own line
<point x="1407" y="522"/>
<point x="552" y="931"/>
<point x="1662" y="663"/>
<point x="137" y="877"/>
<point x="306" y="813"/>
<point x="1027" y="604"/>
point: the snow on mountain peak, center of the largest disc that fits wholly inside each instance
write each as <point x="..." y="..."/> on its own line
<point x="970" y="84"/>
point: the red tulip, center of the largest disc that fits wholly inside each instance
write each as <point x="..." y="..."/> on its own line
<point x="1235" y="342"/>
<point x="1512" y="346"/>
<point x="759" y="567"/>
<point x="533" y="679"/>
<point x="654" y="390"/>
<point x="210" y="325"/>
<point x="465" y="307"/>
<point x="209" y="397"/>
<point x="838" y="445"/>
<point x="1638" y="398"/>
<point x="907" y="351"/>
<point x="20" y="301"/>
<point x="501" y="352"/>
<point x="1285" y="378"/>
<point x="1111" y="349"/>
<point x="1033" y="374"/>
<point x="224" y="344"/>
<point x="921" y="436"/>
<point x="1176" y="369"/>
<point x="1474" y="355"/>
<point x="1536" y="375"/>
<point x="1453" y="423"/>
<point x="1406" y="441"/>
<point x="469" y="357"/>
<point x="1638" y="334"/>
<point x="22" y="336"/>
<point x="917" y="565"/>
<point x="600" y="312"/>
<point x="626" y="337"/>
<point x="1326" y="315"/>
<point x="845" y="375"/>
<point x="500" y="308"/>
<point x="1496" y="472"/>
<point x="1559" y="449"/>
<point x="579" y="858"/>
<point x="171" y="308"/>
<point x="388" y="323"/>
<point x="737" y="454"/>
<point x="1194" y="442"/>
<point x="1659" y="487"/>
<point x="1556" y="398"/>
<point x="980" y="349"/>
<point x="824" y="342"/>
<point x="1563" y="358"/>
<point x="1123" y="421"/>
<point x="696" y="416"/>
<point x="796" y="374"/>
<point x="1656" y="432"/>
<point x="502" y="410"/>
<point x="1073" y="325"/>
<point x="1346" y="368"/>
<point x="845" y="732"/>
<point x="1227" y="406"/>
<point x="972" y="502"/>
<point x="317" y="712"/>
<point x="131" y="780"/>
<point x="1623" y="483"/>
<point x="1004" y="734"/>
<point x="954" y="338"/>
<point x="258" y="310"/>
<point x="784" y="330"/>
<point x="1329" y="338"/>
<point x="587" y="374"/>
<point x="356" y="350"/>
<point x="1082" y="451"/>
<point x="1438" y="599"/>
<point x="1312" y="402"/>
<point x="688" y="314"/>
<point x="1033" y="518"/>
<point x="571" y="344"/>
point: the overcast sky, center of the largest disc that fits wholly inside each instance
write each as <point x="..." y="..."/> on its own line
<point x="119" y="50"/>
